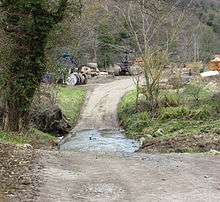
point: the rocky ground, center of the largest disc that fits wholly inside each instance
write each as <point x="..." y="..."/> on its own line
<point x="88" y="177"/>
<point x="18" y="173"/>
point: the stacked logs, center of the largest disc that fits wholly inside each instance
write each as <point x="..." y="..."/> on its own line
<point x="76" y="79"/>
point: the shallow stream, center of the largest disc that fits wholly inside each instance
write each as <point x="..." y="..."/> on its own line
<point x="99" y="141"/>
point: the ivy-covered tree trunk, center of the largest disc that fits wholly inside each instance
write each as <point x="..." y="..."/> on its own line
<point x="11" y="117"/>
<point x="28" y="23"/>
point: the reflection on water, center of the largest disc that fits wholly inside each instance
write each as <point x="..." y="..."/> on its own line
<point x="104" y="141"/>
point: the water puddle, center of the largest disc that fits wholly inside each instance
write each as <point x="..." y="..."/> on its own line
<point x="104" y="141"/>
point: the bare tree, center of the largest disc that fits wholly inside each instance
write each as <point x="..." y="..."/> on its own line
<point x="155" y="27"/>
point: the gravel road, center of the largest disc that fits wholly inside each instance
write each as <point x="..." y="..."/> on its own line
<point x="90" y="177"/>
<point x="83" y="177"/>
<point x="100" y="111"/>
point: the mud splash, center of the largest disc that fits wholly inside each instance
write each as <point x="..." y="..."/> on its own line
<point x="102" y="141"/>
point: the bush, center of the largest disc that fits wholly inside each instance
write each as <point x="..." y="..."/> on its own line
<point x="195" y="90"/>
<point x="170" y="100"/>
<point x="202" y="112"/>
<point x="135" y="124"/>
<point x="127" y="106"/>
<point x="174" y="112"/>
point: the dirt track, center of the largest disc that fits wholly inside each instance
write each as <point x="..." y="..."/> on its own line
<point x="74" y="176"/>
<point x="100" y="110"/>
<point x="84" y="177"/>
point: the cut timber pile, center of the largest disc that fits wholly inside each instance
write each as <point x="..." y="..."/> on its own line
<point x="76" y="79"/>
<point x="89" y="71"/>
<point x="214" y="65"/>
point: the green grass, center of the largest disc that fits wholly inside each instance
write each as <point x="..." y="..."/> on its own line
<point x="71" y="101"/>
<point x="32" y="136"/>
<point x="176" y="120"/>
<point x="12" y="138"/>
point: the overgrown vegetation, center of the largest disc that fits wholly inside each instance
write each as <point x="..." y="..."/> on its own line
<point x="183" y="123"/>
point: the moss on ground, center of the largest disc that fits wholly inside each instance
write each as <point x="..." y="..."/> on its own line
<point x="181" y="124"/>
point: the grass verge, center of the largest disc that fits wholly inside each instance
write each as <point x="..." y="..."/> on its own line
<point x="181" y="124"/>
<point x="71" y="101"/>
<point x="34" y="137"/>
